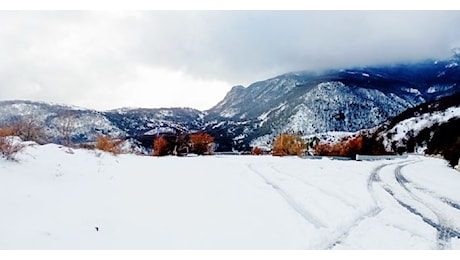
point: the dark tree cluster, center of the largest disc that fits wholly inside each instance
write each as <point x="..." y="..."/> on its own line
<point x="182" y="144"/>
<point x="446" y="141"/>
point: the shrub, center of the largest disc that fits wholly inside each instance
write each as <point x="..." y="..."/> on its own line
<point x="108" y="144"/>
<point x="289" y="144"/>
<point x="257" y="151"/>
<point x="345" y="147"/>
<point x="354" y="146"/>
<point x="160" y="146"/>
<point x="6" y="131"/>
<point x="372" y="144"/>
<point x="323" y="149"/>
<point x="181" y="146"/>
<point x="9" y="148"/>
<point x="87" y="146"/>
<point x="29" y="130"/>
<point x="452" y="152"/>
<point x="201" y="143"/>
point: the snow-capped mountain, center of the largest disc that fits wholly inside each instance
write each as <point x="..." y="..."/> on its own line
<point x="142" y="121"/>
<point x="339" y="100"/>
<point x="308" y="103"/>
<point x="87" y="124"/>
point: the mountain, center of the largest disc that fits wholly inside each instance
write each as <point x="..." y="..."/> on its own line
<point x="432" y="128"/>
<point x="345" y="100"/>
<point x="335" y="100"/>
<point x="142" y="121"/>
<point x="87" y="124"/>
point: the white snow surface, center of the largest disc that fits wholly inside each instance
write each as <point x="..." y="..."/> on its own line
<point x="437" y="88"/>
<point x="412" y="90"/>
<point x="55" y="197"/>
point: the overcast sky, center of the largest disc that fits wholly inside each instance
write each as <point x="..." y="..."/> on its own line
<point x="106" y="60"/>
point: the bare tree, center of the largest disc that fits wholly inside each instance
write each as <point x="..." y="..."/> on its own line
<point x="66" y="126"/>
<point x="9" y="147"/>
<point x="29" y="130"/>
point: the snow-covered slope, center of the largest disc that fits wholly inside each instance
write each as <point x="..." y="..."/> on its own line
<point x="61" y="198"/>
<point x="86" y="124"/>
<point x="431" y="128"/>
<point x="409" y="128"/>
<point x="143" y="121"/>
<point x="343" y="100"/>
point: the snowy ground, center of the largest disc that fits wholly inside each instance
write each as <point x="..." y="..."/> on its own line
<point x="55" y="198"/>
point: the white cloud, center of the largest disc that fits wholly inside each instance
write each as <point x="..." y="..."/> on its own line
<point x="162" y="87"/>
<point x="188" y="58"/>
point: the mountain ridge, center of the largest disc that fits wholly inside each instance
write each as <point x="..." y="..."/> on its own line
<point x="302" y="102"/>
<point x="334" y="100"/>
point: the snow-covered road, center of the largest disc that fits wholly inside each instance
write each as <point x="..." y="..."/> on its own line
<point x="55" y="198"/>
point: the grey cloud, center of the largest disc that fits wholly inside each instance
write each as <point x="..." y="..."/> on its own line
<point x="71" y="56"/>
<point x="248" y="45"/>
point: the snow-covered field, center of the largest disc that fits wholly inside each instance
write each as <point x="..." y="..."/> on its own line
<point x="57" y="198"/>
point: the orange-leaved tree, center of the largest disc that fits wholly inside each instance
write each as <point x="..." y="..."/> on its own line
<point x="201" y="143"/>
<point x="257" y="151"/>
<point x="7" y="131"/>
<point x="289" y="144"/>
<point x="160" y="146"/>
<point x="108" y="144"/>
<point x="347" y="147"/>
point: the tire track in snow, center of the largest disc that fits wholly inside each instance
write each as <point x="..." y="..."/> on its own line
<point x="403" y="182"/>
<point x="374" y="211"/>
<point x="289" y="200"/>
<point x="342" y="236"/>
<point x="375" y="178"/>
<point x="450" y="203"/>
<point x="445" y="231"/>
<point x="330" y="245"/>
<point x="306" y="183"/>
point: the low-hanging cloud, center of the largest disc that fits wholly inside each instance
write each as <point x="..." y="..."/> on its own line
<point x="237" y="45"/>
<point x="191" y="58"/>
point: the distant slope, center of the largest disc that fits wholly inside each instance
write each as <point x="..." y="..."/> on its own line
<point x="88" y="124"/>
<point x="143" y="121"/>
<point x="433" y="127"/>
